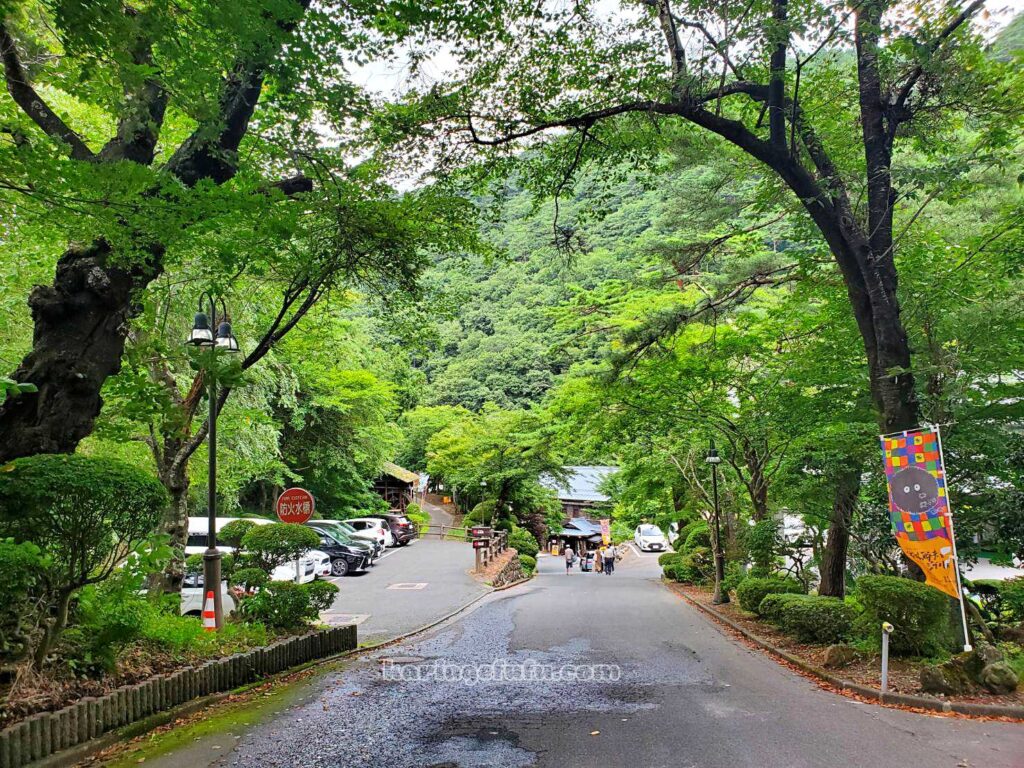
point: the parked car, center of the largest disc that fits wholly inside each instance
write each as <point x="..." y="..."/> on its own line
<point x="344" y="534"/>
<point x="196" y="545"/>
<point x="403" y="530"/>
<point x="373" y="527"/>
<point x="649" y="538"/>
<point x="193" y="596"/>
<point x="347" y="555"/>
<point x="361" y="534"/>
<point x="321" y="562"/>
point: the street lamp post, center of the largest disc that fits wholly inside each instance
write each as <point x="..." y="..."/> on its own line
<point x="202" y="335"/>
<point x="719" y="597"/>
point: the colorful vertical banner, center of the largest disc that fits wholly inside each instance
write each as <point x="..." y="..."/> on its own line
<point x="606" y="532"/>
<point x="919" y="505"/>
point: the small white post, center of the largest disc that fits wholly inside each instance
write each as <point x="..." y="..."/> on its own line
<point x="952" y="537"/>
<point x="886" y="629"/>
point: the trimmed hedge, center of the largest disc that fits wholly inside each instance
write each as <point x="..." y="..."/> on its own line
<point x="684" y="534"/>
<point x="773" y="605"/>
<point x="919" y="614"/>
<point x="752" y="591"/>
<point x="523" y="542"/>
<point x="668" y="557"/>
<point x="699" y="536"/>
<point x="811" y="618"/>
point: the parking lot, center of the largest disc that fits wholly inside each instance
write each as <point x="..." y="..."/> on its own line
<point x="406" y="589"/>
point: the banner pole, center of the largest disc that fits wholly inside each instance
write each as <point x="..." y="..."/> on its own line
<point x="952" y="537"/>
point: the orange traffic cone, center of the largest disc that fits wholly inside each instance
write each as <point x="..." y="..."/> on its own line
<point x="209" y="615"/>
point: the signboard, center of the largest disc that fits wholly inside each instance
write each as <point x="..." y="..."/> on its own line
<point x="481" y="543"/>
<point x="481" y="532"/>
<point x="296" y="505"/>
<point x="606" y="535"/>
<point x="919" y="505"/>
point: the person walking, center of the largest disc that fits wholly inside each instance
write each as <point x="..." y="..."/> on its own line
<point x="609" y="560"/>
<point x="599" y="560"/>
<point x="569" y="557"/>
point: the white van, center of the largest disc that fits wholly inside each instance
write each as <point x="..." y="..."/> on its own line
<point x="196" y="545"/>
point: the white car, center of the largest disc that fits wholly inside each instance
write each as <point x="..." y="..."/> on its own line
<point x="374" y="526"/>
<point x="649" y="538"/>
<point x="196" y="545"/>
<point x="193" y="596"/>
<point x="321" y="562"/>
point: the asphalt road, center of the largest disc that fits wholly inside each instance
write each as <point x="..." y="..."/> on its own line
<point x="687" y="696"/>
<point x="408" y="588"/>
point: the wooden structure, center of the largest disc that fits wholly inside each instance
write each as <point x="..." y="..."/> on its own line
<point x="397" y="486"/>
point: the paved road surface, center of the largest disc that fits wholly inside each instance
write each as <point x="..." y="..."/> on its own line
<point x="438" y="515"/>
<point x="383" y="612"/>
<point x="688" y="697"/>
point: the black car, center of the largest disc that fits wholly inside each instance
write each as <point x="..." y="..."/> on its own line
<point x="346" y="556"/>
<point x="402" y="528"/>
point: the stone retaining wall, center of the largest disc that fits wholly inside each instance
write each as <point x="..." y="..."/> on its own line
<point x="510" y="573"/>
<point x="47" y="733"/>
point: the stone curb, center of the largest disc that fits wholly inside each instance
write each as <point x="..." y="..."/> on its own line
<point x="904" y="699"/>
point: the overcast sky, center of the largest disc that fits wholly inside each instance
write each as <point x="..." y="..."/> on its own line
<point x="391" y="78"/>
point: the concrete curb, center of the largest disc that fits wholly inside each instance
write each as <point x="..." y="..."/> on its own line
<point x="902" y="699"/>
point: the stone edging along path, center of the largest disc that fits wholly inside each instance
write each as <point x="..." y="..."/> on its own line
<point x="901" y="699"/>
<point x="48" y="734"/>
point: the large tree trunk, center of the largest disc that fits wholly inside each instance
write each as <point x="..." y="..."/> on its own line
<point x="78" y="341"/>
<point x="174" y="525"/>
<point x="837" y="542"/>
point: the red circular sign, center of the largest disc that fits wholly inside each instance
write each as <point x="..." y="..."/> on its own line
<point x="295" y="505"/>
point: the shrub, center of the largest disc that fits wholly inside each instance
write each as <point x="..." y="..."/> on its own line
<point x="697" y="566"/>
<point x="286" y="605"/>
<point x="671" y="570"/>
<point x="233" y="533"/>
<point x="812" y="618"/>
<point x="771" y="607"/>
<point x="184" y="635"/>
<point x="249" y="579"/>
<point x="417" y="515"/>
<point x="86" y="513"/>
<point x="528" y="563"/>
<point x="763" y="546"/>
<point x="753" y="590"/>
<point x="23" y="573"/>
<point x="481" y="514"/>
<point x="734" y="576"/>
<point x="683" y="534"/>
<point x="524" y="542"/>
<point x="321" y="594"/>
<point x="103" y="623"/>
<point x="919" y="614"/>
<point x="268" y="546"/>
<point x="194" y="564"/>
<point x="668" y="557"/>
<point x="1011" y="594"/>
<point x="698" y="536"/>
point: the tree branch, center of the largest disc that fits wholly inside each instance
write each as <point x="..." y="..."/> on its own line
<point x="26" y="97"/>
<point x="899" y="103"/>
